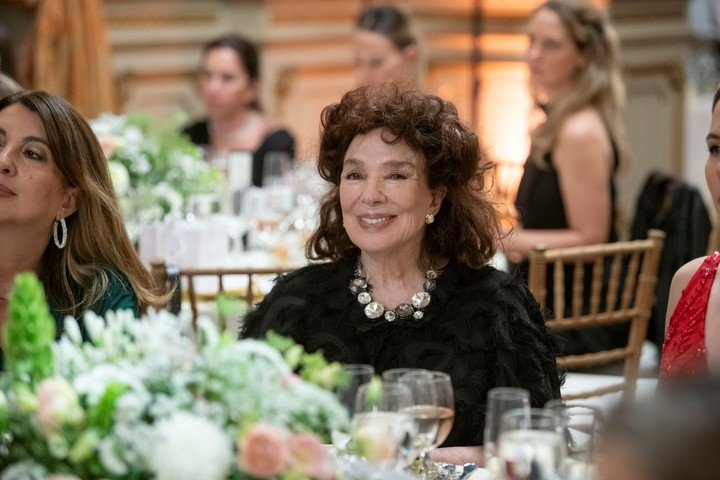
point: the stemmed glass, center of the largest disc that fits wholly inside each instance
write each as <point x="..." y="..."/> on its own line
<point x="531" y="445"/>
<point x="581" y="428"/>
<point x="394" y="374"/>
<point x="356" y="374"/>
<point x="381" y="428"/>
<point x="499" y="401"/>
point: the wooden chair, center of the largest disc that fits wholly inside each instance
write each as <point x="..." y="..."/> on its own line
<point x="628" y="299"/>
<point x="165" y="276"/>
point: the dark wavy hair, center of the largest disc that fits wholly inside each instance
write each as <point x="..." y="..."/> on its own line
<point x="466" y="227"/>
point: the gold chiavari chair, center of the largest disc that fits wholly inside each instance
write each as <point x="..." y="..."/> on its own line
<point x="629" y="297"/>
<point x="164" y="275"/>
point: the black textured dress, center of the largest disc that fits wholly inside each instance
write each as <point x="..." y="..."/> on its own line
<point x="276" y="141"/>
<point x="482" y="327"/>
<point x="540" y="206"/>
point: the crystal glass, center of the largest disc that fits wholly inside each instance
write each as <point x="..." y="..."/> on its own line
<point x="394" y="374"/>
<point x="531" y="445"/>
<point x="356" y="374"/>
<point x="381" y="430"/>
<point x="499" y="401"/>
<point x="276" y="166"/>
<point x="433" y="408"/>
<point x="581" y="426"/>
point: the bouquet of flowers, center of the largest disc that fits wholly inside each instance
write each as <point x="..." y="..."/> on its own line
<point x="154" y="168"/>
<point x="142" y="400"/>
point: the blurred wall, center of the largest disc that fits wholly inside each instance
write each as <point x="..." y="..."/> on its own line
<point x="307" y="64"/>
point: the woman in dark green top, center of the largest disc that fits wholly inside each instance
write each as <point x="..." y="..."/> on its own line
<point x="59" y="216"/>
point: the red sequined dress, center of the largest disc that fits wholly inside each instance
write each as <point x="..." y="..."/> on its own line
<point x="684" y="350"/>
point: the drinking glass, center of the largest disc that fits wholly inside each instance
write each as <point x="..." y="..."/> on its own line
<point x="276" y="166"/>
<point x="581" y="427"/>
<point x="499" y="401"/>
<point x="433" y="409"/>
<point x="356" y="374"/>
<point x="531" y="445"/>
<point x="381" y="430"/>
<point x="394" y="374"/>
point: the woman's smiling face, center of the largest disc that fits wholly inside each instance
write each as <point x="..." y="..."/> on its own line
<point x="385" y="195"/>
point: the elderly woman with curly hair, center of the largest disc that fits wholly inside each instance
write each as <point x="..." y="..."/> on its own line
<point x="405" y="234"/>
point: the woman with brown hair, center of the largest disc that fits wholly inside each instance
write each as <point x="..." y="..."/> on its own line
<point x="406" y="232"/>
<point x="566" y="196"/>
<point x="230" y="87"/>
<point x="59" y="216"/>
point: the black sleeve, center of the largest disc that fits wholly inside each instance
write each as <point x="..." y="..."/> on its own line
<point x="527" y="350"/>
<point x="198" y="133"/>
<point x="278" y="141"/>
<point x="524" y="352"/>
<point x="281" y="310"/>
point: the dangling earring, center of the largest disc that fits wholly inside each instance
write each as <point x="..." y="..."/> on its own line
<point x="429" y="218"/>
<point x="63" y="226"/>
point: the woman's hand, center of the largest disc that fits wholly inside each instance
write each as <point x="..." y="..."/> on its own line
<point x="458" y="455"/>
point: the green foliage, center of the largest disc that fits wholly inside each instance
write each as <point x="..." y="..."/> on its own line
<point x="29" y="332"/>
<point x="230" y="306"/>
<point x="312" y="367"/>
<point x="102" y="416"/>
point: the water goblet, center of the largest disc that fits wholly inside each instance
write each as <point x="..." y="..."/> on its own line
<point x="531" y="445"/>
<point x="499" y="401"/>
<point x="394" y="374"/>
<point x="355" y="374"/>
<point x="381" y="430"/>
<point x="581" y="427"/>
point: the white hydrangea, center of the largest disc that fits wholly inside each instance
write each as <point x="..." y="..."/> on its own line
<point x="120" y="177"/>
<point x="188" y="447"/>
<point x="25" y="470"/>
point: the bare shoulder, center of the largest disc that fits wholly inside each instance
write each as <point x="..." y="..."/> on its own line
<point x="583" y="144"/>
<point x="585" y="125"/>
<point x="684" y="274"/>
<point x="679" y="282"/>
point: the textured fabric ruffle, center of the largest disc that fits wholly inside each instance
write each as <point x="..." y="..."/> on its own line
<point x="483" y="327"/>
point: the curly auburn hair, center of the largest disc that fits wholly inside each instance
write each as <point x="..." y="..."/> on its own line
<point x="466" y="227"/>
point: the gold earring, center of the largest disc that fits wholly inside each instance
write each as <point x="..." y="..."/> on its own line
<point x="429" y="218"/>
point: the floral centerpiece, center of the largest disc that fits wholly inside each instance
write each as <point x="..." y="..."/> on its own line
<point x="155" y="169"/>
<point x="143" y="400"/>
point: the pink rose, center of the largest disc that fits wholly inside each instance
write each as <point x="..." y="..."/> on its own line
<point x="263" y="452"/>
<point x="57" y="405"/>
<point x="108" y="144"/>
<point x="310" y="457"/>
<point x="289" y="380"/>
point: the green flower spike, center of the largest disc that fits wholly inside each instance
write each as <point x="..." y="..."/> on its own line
<point x="29" y="332"/>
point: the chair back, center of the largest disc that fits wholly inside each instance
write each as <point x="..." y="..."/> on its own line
<point x="179" y="278"/>
<point x="628" y="298"/>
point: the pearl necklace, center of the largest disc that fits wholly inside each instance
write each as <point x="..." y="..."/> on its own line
<point x="374" y="309"/>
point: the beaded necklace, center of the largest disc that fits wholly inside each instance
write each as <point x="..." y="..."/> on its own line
<point x="374" y="309"/>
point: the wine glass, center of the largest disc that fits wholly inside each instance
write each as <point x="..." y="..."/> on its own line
<point x="531" y="445"/>
<point x="381" y="430"/>
<point x="433" y="410"/>
<point x="394" y="374"/>
<point x="355" y="374"/>
<point x="499" y="401"/>
<point x="581" y="428"/>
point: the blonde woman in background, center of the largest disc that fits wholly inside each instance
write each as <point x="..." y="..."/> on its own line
<point x="566" y="197"/>
<point x="59" y="216"/>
